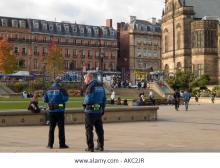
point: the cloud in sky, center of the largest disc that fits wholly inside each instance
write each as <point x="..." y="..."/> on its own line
<point x="92" y="12"/>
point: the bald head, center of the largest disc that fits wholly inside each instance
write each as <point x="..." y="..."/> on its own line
<point x="88" y="78"/>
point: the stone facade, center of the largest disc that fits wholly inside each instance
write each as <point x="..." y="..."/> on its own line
<point x="189" y="42"/>
<point x="139" y="48"/>
<point x="82" y="45"/>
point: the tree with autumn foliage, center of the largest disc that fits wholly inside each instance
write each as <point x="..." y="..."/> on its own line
<point x="55" y="61"/>
<point x="7" y="59"/>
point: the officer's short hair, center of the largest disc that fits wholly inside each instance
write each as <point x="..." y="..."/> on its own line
<point x="90" y="75"/>
<point x="57" y="79"/>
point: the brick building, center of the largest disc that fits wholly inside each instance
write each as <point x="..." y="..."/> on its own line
<point x="191" y="37"/>
<point x="82" y="45"/>
<point x="139" y="48"/>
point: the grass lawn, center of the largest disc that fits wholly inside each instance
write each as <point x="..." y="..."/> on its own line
<point x="21" y="103"/>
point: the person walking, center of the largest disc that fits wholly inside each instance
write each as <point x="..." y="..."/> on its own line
<point x="197" y="97"/>
<point x="56" y="97"/>
<point x="94" y="107"/>
<point x="113" y="97"/>
<point x="176" y="97"/>
<point x="213" y="95"/>
<point x="186" y="99"/>
<point x="151" y="97"/>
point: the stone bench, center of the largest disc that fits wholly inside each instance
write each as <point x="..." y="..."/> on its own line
<point x="76" y="116"/>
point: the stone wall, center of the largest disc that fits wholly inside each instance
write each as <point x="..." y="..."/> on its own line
<point x="76" y="116"/>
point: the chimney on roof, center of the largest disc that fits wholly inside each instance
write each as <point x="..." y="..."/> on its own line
<point x="154" y="20"/>
<point x="109" y="23"/>
<point x="132" y="19"/>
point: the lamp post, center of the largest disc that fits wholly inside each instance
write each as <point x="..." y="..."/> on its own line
<point x="101" y="55"/>
<point x="44" y="74"/>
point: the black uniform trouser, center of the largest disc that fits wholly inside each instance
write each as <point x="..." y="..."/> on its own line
<point x="177" y="104"/>
<point x="94" y="119"/>
<point x="56" y="118"/>
<point x="152" y="101"/>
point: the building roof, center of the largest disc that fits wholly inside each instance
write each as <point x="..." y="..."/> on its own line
<point x="204" y="7"/>
<point x="59" y="28"/>
<point x="144" y="26"/>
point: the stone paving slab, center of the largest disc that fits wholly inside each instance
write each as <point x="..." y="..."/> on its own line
<point x="197" y="130"/>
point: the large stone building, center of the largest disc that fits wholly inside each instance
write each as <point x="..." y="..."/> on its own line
<point x="139" y="48"/>
<point x="191" y="37"/>
<point x="82" y="45"/>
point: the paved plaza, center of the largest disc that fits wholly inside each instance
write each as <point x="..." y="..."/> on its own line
<point x="197" y="130"/>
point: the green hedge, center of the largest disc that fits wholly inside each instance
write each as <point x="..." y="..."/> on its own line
<point x="39" y="85"/>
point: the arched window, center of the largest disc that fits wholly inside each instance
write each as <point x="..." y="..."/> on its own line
<point x="167" y="68"/>
<point x="178" y="66"/>
<point x="178" y="36"/>
<point x="166" y="43"/>
<point x="178" y="40"/>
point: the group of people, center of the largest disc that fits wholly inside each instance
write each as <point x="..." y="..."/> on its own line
<point x="117" y="101"/>
<point x="212" y="96"/>
<point x="142" y="100"/>
<point x="185" y="96"/>
<point x="93" y="105"/>
<point x="26" y="94"/>
<point x="118" y="83"/>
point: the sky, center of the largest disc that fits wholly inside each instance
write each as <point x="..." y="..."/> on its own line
<point x="90" y="12"/>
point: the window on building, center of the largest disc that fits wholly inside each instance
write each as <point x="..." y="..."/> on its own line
<point x="44" y="51"/>
<point x="36" y="25"/>
<point x="198" y="39"/>
<point x="21" y="63"/>
<point x="112" y="33"/>
<point x="16" y="50"/>
<point x="198" y="69"/>
<point x="166" y="41"/>
<point x="82" y="30"/>
<point x="66" y="27"/>
<point x="89" y="66"/>
<point x="89" y="54"/>
<point x="96" y="31"/>
<point x="89" y="31"/>
<point x="75" y="53"/>
<point x="178" y="40"/>
<point x="82" y="53"/>
<point x="208" y="39"/>
<point x="44" y="39"/>
<point x="35" y="51"/>
<point x="105" y="32"/>
<point x="82" y="64"/>
<point x="51" y="27"/>
<point x="22" y="24"/>
<point x="23" y="51"/>
<point x="4" y="22"/>
<point x="73" y="65"/>
<point x="202" y="39"/>
<point x="67" y="52"/>
<point x="97" y="54"/>
<point x="67" y="64"/>
<point x="15" y="23"/>
<point x="58" y="26"/>
<point x="213" y="39"/>
<point x="35" y="63"/>
<point x="44" y="26"/>
<point x="74" y="28"/>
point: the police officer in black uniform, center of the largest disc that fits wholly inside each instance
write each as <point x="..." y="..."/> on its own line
<point x="176" y="96"/>
<point x="56" y="97"/>
<point x="94" y="107"/>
